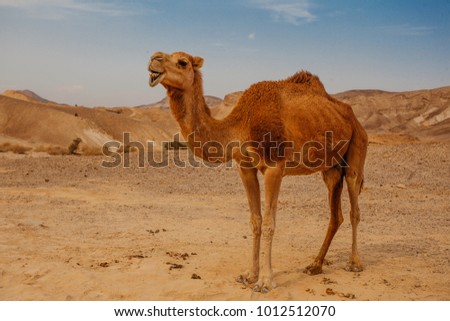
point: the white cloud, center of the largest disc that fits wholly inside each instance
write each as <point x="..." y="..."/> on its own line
<point x="291" y="11"/>
<point x="58" y="9"/>
<point x="252" y="36"/>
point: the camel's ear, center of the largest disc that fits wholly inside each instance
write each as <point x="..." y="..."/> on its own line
<point x="198" y="63"/>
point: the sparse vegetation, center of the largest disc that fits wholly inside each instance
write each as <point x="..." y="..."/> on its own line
<point x="74" y="146"/>
<point x="14" y="148"/>
<point x="84" y="150"/>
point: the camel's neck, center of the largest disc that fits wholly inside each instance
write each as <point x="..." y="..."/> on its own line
<point x="204" y="134"/>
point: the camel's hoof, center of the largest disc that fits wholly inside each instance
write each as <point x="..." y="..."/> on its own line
<point x="263" y="289"/>
<point x="353" y="267"/>
<point x="246" y="280"/>
<point x="256" y="288"/>
<point x="242" y="279"/>
<point x="313" y="269"/>
<point x="264" y="285"/>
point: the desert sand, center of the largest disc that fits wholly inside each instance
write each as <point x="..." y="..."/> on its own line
<point x="73" y="230"/>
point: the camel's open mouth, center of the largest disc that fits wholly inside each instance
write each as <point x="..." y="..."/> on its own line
<point x="155" y="77"/>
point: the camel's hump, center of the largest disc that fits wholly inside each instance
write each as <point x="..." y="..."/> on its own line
<point x="308" y="81"/>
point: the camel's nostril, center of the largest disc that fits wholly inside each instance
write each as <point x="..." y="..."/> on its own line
<point x="157" y="57"/>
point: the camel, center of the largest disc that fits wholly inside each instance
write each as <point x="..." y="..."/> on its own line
<point x="279" y="128"/>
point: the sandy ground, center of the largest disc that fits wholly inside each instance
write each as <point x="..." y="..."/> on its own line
<point x="72" y="230"/>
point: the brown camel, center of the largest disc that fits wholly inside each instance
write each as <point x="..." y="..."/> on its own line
<point x="280" y="128"/>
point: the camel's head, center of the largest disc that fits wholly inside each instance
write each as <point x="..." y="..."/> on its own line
<point x="175" y="70"/>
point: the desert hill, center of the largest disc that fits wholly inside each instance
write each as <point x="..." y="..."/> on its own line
<point x="211" y="101"/>
<point x="424" y="114"/>
<point x="413" y="115"/>
<point x="26" y="119"/>
<point x="51" y="125"/>
<point x="26" y="95"/>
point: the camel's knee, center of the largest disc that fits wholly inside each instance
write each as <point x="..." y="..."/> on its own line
<point x="255" y="223"/>
<point x="352" y="176"/>
<point x="268" y="230"/>
<point x="355" y="216"/>
<point x="354" y="181"/>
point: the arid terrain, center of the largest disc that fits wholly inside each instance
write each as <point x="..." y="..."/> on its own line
<point x="72" y="229"/>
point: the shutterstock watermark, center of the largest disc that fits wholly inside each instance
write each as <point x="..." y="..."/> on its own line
<point x="249" y="154"/>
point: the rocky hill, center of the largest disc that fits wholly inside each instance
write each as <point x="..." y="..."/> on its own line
<point x="49" y="126"/>
<point x="26" y="95"/>
<point x="424" y="114"/>
<point x="388" y="116"/>
<point x="35" y="123"/>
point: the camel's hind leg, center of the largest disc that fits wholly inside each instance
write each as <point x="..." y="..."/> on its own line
<point x="354" y="184"/>
<point x="354" y="176"/>
<point x="333" y="178"/>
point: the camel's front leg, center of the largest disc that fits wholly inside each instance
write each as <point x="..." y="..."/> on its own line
<point x="250" y="180"/>
<point x="272" y="184"/>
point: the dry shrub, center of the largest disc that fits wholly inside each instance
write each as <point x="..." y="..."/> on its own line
<point x="58" y="150"/>
<point x="74" y="146"/>
<point x="15" y="148"/>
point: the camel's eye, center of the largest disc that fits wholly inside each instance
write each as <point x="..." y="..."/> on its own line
<point x="183" y="62"/>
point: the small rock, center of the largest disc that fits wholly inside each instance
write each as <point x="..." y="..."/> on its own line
<point x="330" y="291"/>
<point x="174" y="266"/>
<point x="196" y="276"/>
<point x="327" y="281"/>
<point x="347" y="295"/>
<point x="311" y="291"/>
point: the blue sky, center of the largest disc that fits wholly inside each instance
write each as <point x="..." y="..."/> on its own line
<point x="95" y="53"/>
